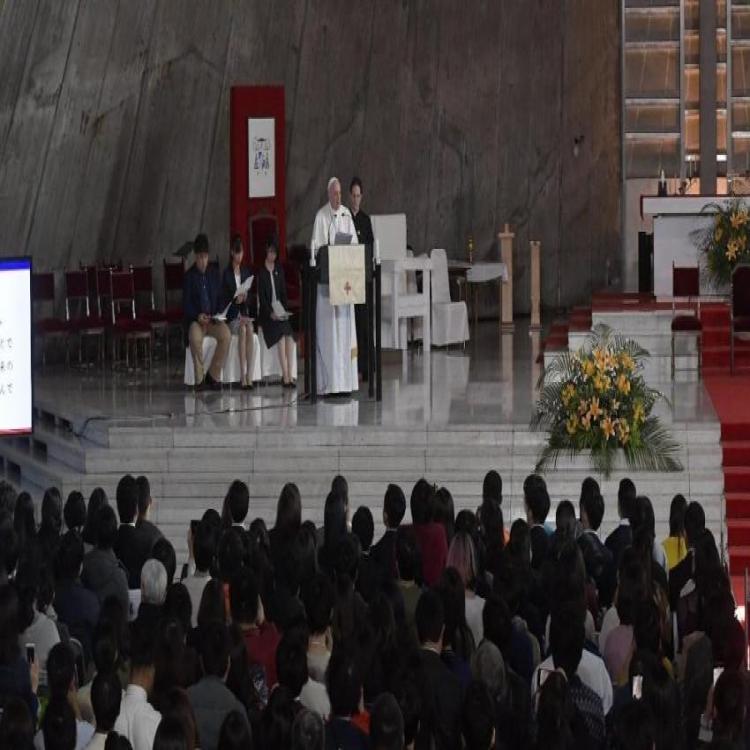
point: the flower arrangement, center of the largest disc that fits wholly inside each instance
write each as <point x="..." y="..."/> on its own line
<point x="726" y="241"/>
<point x="596" y="399"/>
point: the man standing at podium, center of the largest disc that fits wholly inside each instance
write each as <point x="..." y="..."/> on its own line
<point x="336" y="354"/>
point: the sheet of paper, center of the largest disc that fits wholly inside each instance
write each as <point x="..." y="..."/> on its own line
<point x="244" y="287"/>
<point x="279" y="311"/>
<point x="342" y="238"/>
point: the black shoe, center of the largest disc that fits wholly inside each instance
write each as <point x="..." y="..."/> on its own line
<point x="200" y="387"/>
<point x="209" y="382"/>
<point x="248" y="387"/>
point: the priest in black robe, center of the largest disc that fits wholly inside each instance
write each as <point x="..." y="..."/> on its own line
<point x="363" y="226"/>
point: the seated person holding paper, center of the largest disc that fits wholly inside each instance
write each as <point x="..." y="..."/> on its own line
<point x="235" y="294"/>
<point x="200" y="302"/>
<point x="272" y="315"/>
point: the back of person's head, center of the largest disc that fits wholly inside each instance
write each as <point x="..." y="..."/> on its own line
<point x="175" y="704"/>
<point x="344" y="682"/>
<point x="492" y="488"/>
<point x="178" y="605"/>
<point x="308" y="731"/>
<point x="106" y="694"/>
<point x="626" y="495"/>
<point x="69" y="557"/>
<point x="244" y="597"/>
<point x="677" y="510"/>
<point x="334" y="520"/>
<point x="9" y="611"/>
<point x="204" y="545"/>
<point x="16" y="725"/>
<point x="555" y="713"/>
<point x="291" y="661"/>
<point x="430" y="617"/>
<point x="407" y="556"/>
<point x="592" y="503"/>
<point x="660" y="692"/>
<point x="567" y="634"/>
<point x="488" y="667"/>
<point x="153" y="582"/>
<point x="497" y="621"/>
<point x="462" y="556"/>
<point x="477" y="717"/>
<point x="421" y="502"/>
<point x="289" y="509"/>
<point x="171" y="735"/>
<point x="444" y="511"/>
<point x="236" y="503"/>
<point x="347" y="559"/>
<point x="230" y="554"/>
<point x="61" y="670"/>
<point x="632" y="586"/>
<point x="127" y="499"/>
<point x="647" y="627"/>
<point x="363" y="526"/>
<point x="59" y="725"/>
<point x="23" y="518"/>
<point x="634" y="727"/>
<point x="695" y="522"/>
<point x="163" y="551"/>
<point x="212" y="607"/>
<point x="74" y="512"/>
<point x="729" y="706"/>
<point x="394" y="505"/>
<point x="318" y="597"/>
<point x="97" y="499"/>
<point x="144" y="495"/>
<point x="278" y="716"/>
<point x="214" y="649"/>
<point x="643" y="520"/>
<point x="105" y="646"/>
<point x="114" y="616"/>
<point x="116" y="741"/>
<point x="492" y="525"/>
<point x="519" y="542"/>
<point x="106" y="527"/>
<point x="386" y="724"/>
<point x="536" y="498"/>
<point x="235" y="733"/>
<point x="340" y="486"/>
<point x="565" y="520"/>
<point x="52" y="508"/>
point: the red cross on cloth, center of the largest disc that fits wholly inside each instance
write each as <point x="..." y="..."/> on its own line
<point x="348" y="288"/>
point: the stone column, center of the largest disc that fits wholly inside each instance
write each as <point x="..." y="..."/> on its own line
<point x="707" y="58"/>
<point x="505" y="242"/>
<point x="536" y="285"/>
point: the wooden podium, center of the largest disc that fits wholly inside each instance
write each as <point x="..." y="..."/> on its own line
<point x="315" y="272"/>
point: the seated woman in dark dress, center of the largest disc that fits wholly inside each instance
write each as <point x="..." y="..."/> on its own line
<point x="239" y="317"/>
<point x="272" y="288"/>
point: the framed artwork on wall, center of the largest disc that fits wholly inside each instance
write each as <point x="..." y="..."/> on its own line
<point x="261" y="162"/>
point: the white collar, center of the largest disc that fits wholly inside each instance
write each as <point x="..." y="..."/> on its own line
<point x="136" y="691"/>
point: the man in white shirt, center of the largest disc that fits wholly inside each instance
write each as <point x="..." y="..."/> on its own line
<point x="336" y="332"/>
<point x="138" y="720"/>
<point x="106" y="696"/>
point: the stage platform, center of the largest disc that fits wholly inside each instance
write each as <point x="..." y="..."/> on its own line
<point x="449" y="416"/>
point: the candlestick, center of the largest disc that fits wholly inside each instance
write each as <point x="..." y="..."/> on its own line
<point x="312" y="254"/>
<point x="377" y="252"/>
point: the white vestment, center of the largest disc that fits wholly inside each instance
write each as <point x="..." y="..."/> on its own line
<point x="336" y="354"/>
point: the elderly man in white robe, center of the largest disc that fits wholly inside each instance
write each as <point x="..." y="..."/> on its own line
<point x="336" y="354"/>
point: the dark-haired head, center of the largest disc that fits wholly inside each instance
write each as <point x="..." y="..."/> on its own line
<point x="318" y="596"/>
<point x="408" y="560"/>
<point x="236" y="503"/>
<point x="127" y="499"/>
<point x="212" y="607"/>
<point x="492" y="488"/>
<point x="178" y="605"/>
<point x="69" y="556"/>
<point x="23" y="519"/>
<point x="291" y="661"/>
<point x="477" y="720"/>
<point x="695" y="522"/>
<point x="289" y="510"/>
<point x="204" y="545"/>
<point x="626" y="495"/>
<point x="214" y="649"/>
<point x="363" y="526"/>
<point x="97" y="499"/>
<point x="308" y="731"/>
<point x="144" y="496"/>
<point x="235" y="733"/>
<point x="591" y="504"/>
<point x="105" y="529"/>
<point x="344" y="683"/>
<point x="565" y="521"/>
<point x="244" y="598"/>
<point x="634" y="727"/>
<point x="16" y="725"/>
<point x="677" y="510"/>
<point x="536" y="499"/>
<point x="422" y="498"/>
<point x="200" y="243"/>
<point x="74" y="512"/>
<point x="106" y="694"/>
<point x="386" y="724"/>
<point x="334" y="521"/>
<point x="430" y="617"/>
<point x="230" y="554"/>
<point x="51" y="512"/>
<point x="171" y="735"/>
<point x="175" y="704"/>
<point x="443" y="511"/>
<point x="59" y="725"/>
<point x="394" y="506"/>
<point x="61" y="670"/>
<point x="163" y="551"/>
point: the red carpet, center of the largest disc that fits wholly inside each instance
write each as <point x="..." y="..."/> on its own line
<point x="731" y="399"/>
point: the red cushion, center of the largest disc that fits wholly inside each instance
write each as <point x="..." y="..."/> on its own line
<point x="128" y="325"/>
<point x="175" y="315"/>
<point x="741" y="324"/>
<point x="686" y="323"/>
<point x="153" y="316"/>
<point x="52" y="325"/>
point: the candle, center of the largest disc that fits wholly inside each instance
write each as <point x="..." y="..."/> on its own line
<point x="312" y="254"/>
<point x="377" y="252"/>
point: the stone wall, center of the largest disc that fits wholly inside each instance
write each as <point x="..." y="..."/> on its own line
<point x="114" y="123"/>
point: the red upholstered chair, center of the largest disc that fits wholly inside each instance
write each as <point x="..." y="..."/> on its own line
<point x="262" y="228"/>
<point x="739" y="308"/>
<point x="78" y="313"/>
<point x="145" y="304"/>
<point x="124" y="324"/>
<point x="686" y="322"/>
<point x="46" y="325"/>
